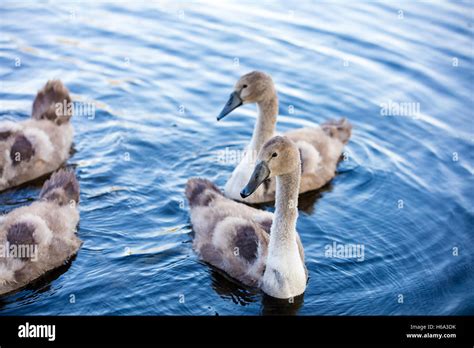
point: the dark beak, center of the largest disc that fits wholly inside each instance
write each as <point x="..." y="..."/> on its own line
<point x="233" y="103"/>
<point x="259" y="175"/>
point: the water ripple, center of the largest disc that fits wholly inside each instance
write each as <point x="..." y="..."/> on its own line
<point x="158" y="74"/>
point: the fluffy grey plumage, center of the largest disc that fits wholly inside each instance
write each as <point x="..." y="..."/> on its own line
<point x="40" y="145"/>
<point x="228" y="235"/>
<point x="256" y="247"/>
<point x="45" y="104"/>
<point x="40" y="237"/>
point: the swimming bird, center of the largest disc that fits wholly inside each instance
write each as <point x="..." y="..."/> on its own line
<point x="256" y="247"/>
<point x="320" y="147"/>
<point x="40" y="237"/>
<point x="40" y="145"/>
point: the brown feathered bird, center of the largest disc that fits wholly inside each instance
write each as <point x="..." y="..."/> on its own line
<point x="40" y="237"/>
<point x="40" y="145"/>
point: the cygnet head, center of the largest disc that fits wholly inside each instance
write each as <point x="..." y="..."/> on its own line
<point x="254" y="87"/>
<point x="278" y="156"/>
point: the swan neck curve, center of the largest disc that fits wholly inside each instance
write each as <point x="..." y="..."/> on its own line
<point x="266" y="122"/>
<point x="283" y="233"/>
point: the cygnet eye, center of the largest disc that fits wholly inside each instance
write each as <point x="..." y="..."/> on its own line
<point x="244" y="86"/>
<point x="274" y="154"/>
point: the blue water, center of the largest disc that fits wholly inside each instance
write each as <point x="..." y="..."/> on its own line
<point x="159" y="74"/>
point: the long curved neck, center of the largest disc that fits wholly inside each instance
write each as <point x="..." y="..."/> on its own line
<point x="283" y="230"/>
<point x="266" y="121"/>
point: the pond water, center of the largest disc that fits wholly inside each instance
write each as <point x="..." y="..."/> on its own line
<point x="159" y="73"/>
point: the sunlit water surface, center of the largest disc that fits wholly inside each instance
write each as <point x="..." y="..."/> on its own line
<point x="160" y="73"/>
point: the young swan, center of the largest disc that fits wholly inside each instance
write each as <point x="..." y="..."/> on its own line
<point x="40" y="145"/>
<point x="320" y="147"/>
<point x="40" y="237"/>
<point x="253" y="246"/>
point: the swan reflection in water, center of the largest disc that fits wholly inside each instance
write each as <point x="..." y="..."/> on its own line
<point x="38" y="286"/>
<point x="228" y="288"/>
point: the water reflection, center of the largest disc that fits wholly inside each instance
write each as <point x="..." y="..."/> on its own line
<point x="275" y="306"/>
<point x="40" y="285"/>
<point x="158" y="83"/>
<point x="242" y="295"/>
<point x="229" y="288"/>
